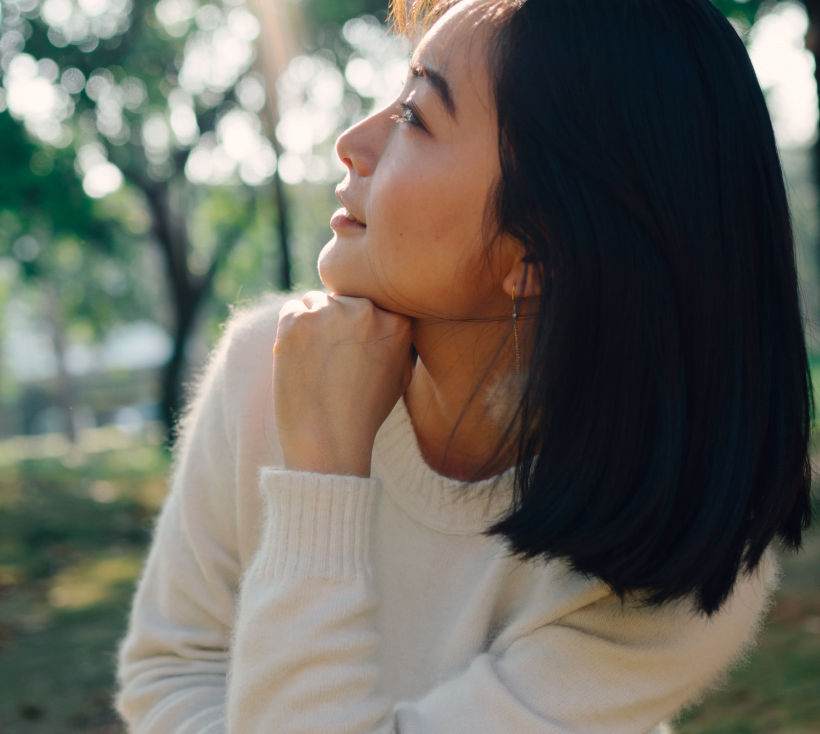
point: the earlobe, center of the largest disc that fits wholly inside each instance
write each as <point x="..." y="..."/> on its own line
<point x="522" y="279"/>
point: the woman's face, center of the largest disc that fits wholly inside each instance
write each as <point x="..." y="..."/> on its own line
<point x="411" y="236"/>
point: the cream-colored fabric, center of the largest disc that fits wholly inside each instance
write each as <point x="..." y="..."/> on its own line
<point x="284" y="602"/>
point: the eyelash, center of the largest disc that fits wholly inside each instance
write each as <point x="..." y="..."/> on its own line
<point x="408" y="114"/>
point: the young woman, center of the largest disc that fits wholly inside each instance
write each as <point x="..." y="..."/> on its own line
<point x="518" y="470"/>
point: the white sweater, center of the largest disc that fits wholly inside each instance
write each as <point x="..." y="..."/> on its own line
<point x="283" y="602"/>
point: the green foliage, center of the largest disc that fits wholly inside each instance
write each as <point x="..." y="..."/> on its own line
<point x="40" y="191"/>
<point x="323" y="12"/>
<point x="60" y="236"/>
<point x="744" y="10"/>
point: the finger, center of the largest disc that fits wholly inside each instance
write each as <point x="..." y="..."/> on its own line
<point x="352" y="300"/>
<point x="315" y="299"/>
<point x="291" y="307"/>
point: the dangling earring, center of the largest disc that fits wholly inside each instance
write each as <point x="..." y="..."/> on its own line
<point x="515" y="333"/>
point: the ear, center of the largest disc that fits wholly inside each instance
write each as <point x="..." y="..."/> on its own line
<point x="522" y="280"/>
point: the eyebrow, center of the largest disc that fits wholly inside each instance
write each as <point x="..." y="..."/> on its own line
<point x="440" y="85"/>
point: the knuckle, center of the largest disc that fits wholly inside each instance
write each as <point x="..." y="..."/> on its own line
<point x="286" y="320"/>
<point x="311" y="296"/>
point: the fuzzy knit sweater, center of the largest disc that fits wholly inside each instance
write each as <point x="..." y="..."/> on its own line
<point x="283" y="602"/>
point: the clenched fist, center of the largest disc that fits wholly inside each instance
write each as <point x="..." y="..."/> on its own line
<point x="339" y="366"/>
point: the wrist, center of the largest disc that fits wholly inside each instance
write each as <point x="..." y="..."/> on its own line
<point x="317" y="456"/>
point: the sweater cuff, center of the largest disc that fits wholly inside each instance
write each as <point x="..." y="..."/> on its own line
<point x="317" y="525"/>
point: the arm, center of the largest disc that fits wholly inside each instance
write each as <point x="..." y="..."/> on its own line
<point x="174" y="660"/>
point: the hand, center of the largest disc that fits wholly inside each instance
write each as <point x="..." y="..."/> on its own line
<point x="339" y="366"/>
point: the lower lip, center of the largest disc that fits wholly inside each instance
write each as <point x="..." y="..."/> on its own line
<point x="342" y="221"/>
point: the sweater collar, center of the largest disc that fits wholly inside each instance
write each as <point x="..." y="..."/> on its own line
<point x="443" y="504"/>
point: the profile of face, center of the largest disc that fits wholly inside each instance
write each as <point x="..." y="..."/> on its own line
<point x="412" y="234"/>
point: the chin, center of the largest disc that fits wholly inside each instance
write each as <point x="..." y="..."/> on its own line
<point x="325" y="254"/>
<point x="335" y="273"/>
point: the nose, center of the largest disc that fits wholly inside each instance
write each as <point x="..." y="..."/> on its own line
<point x="360" y="146"/>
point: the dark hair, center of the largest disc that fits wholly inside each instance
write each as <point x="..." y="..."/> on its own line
<point x="663" y="432"/>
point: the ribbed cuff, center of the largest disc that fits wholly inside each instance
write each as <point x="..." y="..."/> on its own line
<point x="316" y="524"/>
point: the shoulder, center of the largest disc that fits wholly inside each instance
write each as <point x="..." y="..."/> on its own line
<point x="250" y="329"/>
<point x="245" y="349"/>
<point x="717" y="639"/>
<point x="234" y="382"/>
<point x="638" y="663"/>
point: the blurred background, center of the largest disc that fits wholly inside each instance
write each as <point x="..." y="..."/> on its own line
<point x="163" y="161"/>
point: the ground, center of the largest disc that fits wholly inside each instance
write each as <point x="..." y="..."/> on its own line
<point x="73" y="533"/>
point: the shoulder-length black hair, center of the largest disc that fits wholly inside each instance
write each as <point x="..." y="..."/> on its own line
<point x="664" y="428"/>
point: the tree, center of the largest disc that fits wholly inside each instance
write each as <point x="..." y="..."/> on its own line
<point x="159" y="99"/>
<point x="50" y="224"/>
<point x="156" y="107"/>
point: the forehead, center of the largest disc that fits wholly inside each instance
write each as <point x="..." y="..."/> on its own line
<point x="456" y="46"/>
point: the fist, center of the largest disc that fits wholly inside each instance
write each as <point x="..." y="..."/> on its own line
<point x="339" y="366"/>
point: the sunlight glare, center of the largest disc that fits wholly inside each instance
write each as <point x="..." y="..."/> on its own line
<point x="259" y="168"/>
<point x="102" y="179"/>
<point x="360" y="74"/>
<point x="94" y="7"/>
<point x="99" y="176"/>
<point x="175" y="15"/>
<point x="251" y="92"/>
<point x="36" y="100"/>
<point x="214" y="61"/>
<point x="243" y="24"/>
<point x="156" y="137"/>
<point x="72" y="80"/>
<point x="238" y="133"/>
<point x="183" y="124"/>
<point x="785" y="69"/>
<point x="291" y="168"/>
<point x="56" y="12"/>
<point x="198" y="167"/>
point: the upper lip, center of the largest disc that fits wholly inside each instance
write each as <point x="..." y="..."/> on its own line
<point x="341" y="195"/>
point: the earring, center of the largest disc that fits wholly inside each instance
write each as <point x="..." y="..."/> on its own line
<point x="515" y="333"/>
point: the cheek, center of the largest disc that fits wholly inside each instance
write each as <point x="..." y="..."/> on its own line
<point x="428" y="206"/>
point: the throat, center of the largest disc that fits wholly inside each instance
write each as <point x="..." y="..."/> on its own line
<point x="457" y="432"/>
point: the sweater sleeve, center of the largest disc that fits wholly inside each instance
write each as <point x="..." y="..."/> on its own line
<point x="306" y="647"/>
<point x="174" y="660"/>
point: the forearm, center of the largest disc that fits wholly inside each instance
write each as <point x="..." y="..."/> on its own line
<point x="305" y="654"/>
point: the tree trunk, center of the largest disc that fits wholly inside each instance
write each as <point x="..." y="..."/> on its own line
<point x="275" y="49"/>
<point x="172" y="392"/>
<point x="285" y="280"/>
<point x="188" y="291"/>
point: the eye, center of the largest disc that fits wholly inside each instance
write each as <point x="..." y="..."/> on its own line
<point x="408" y="113"/>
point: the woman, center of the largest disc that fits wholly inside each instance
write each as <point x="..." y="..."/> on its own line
<point x="551" y="512"/>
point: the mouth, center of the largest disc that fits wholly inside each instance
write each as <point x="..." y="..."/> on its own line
<point x="345" y="210"/>
<point x="342" y="219"/>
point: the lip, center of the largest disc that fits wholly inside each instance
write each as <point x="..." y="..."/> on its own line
<point x="343" y="220"/>
<point x="341" y="196"/>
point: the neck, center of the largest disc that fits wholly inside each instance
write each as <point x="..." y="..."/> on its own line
<point x="450" y="397"/>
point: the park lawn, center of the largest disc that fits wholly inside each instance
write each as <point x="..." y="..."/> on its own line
<point x="776" y="688"/>
<point x="72" y="542"/>
<point x="72" y="539"/>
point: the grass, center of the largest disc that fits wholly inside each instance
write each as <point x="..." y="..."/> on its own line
<point x="777" y="689"/>
<point x="72" y="540"/>
<point x="73" y="534"/>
